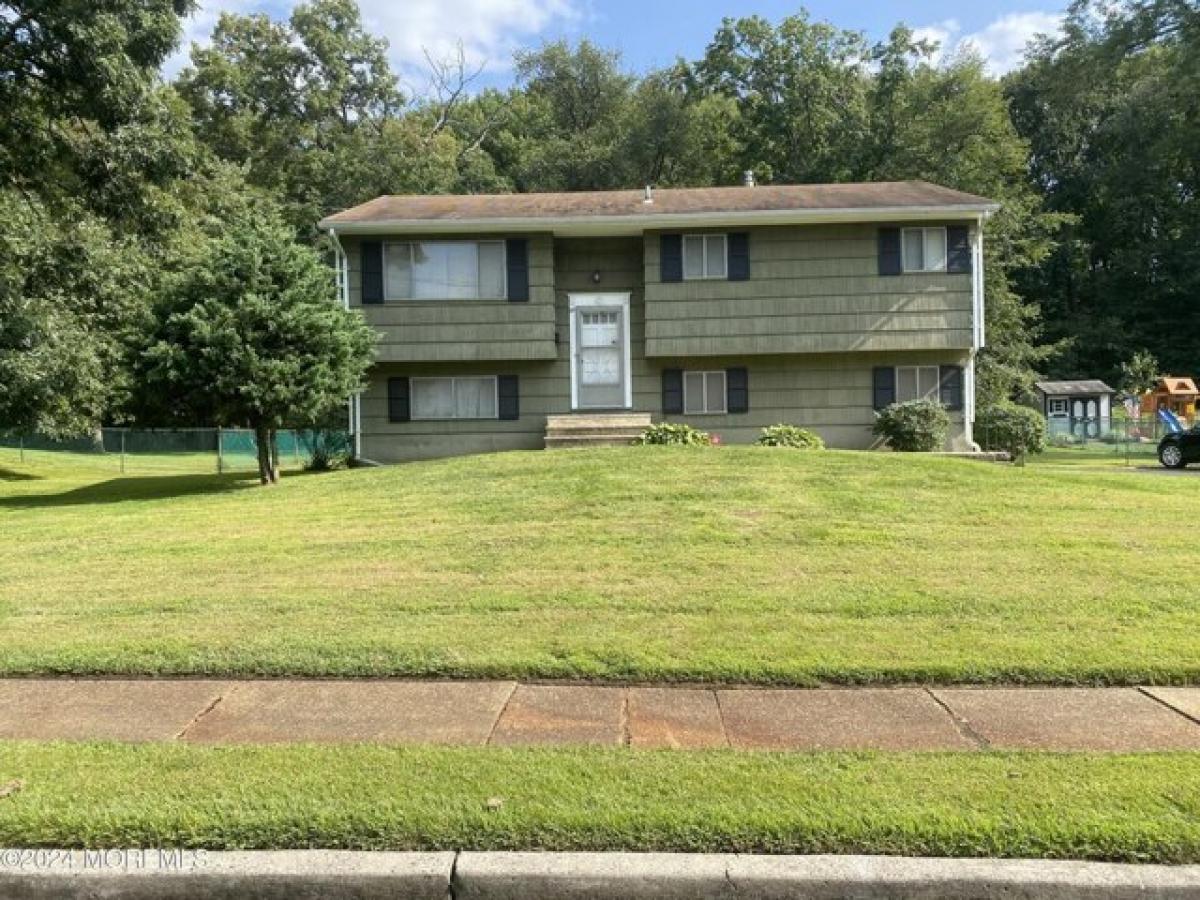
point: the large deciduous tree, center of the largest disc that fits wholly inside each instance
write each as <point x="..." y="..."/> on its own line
<point x="1111" y="109"/>
<point x="312" y="110"/>
<point x="249" y="332"/>
<point x="91" y="150"/>
<point x="71" y="293"/>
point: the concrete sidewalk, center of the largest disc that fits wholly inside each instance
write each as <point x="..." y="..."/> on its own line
<point x="505" y="713"/>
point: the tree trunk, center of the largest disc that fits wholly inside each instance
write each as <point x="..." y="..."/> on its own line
<point x="274" y="455"/>
<point x="263" y="439"/>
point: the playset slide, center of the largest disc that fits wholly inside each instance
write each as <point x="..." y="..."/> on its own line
<point x="1171" y="420"/>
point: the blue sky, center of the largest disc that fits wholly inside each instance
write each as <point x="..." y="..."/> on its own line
<point x="650" y="32"/>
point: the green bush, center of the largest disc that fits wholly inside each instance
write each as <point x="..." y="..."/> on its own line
<point x="790" y="436"/>
<point x="917" y="426"/>
<point x="679" y="435"/>
<point x="325" y="449"/>
<point x="1011" y="427"/>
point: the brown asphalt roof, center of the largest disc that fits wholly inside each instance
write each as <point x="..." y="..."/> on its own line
<point x="666" y="201"/>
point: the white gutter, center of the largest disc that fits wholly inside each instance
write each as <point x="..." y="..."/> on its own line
<point x="637" y="223"/>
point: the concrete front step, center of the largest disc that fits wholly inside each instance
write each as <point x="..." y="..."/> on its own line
<point x="595" y="431"/>
<point x="559" y="442"/>
<point x="577" y="421"/>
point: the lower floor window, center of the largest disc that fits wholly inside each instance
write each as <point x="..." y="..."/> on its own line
<point x="704" y="392"/>
<point x="916" y="383"/>
<point x="454" y="398"/>
<point x="1058" y="407"/>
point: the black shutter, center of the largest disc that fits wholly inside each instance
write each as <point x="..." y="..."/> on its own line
<point x="509" y="405"/>
<point x="950" y="387"/>
<point x="889" y="252"/>
<point x="738" y="263"/>
<point x="672" y="391"/>
<point x="372" y="271"/>
<point x="884" y="382"/>
<point x="737" y="390"/>
<point x="958" y="249"/>
<point x="670" y="257"/>
<point x="398" y="406"/>
<point x="516" y="252"/>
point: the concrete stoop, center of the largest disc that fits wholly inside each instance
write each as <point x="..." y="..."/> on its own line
<point x="336" y="874"/>
<point x="594" y="429"/>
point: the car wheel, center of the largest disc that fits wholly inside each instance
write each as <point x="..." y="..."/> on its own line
<point x="1171" y="456"/>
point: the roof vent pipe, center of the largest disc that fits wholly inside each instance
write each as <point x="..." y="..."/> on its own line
<point x="748" y="178"/>
<point x="649" y="195"/>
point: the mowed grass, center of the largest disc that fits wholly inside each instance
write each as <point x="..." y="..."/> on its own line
<point x="728" y="564"/>
<point x="1136" y="808"/>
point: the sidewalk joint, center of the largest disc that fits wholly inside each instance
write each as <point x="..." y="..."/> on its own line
<point x="204" y="712"/>
<point x="626" y="728"/>
<point x="960" y="722"/>
<point x="716" y="693"/>
<point x="492" y="731"/>
<point x="1146" y="692"/>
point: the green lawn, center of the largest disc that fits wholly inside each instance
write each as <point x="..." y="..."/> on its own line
<point x="1098" y="455"/>
<point x="737" y="564"/>
<point x="1140" y="808"/>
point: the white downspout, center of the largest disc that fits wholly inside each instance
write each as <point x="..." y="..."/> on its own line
<point x="977" y="331"/>
<point x="342" y="270"/>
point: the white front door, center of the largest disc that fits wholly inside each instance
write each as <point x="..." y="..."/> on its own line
<point x="600" y="351"/>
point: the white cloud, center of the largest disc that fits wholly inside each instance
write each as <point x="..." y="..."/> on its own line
<point x="940" y="33"/>
<point x="489" y="30"/>
<point x="1001" y="43"/>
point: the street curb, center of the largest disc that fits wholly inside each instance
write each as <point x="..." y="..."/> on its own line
<point x="336" y="874"/>
<point x="228" y="875"/>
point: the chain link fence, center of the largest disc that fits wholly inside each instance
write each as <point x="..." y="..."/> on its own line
<point x="176" y="451"/>
<point x="1098" y="441"/>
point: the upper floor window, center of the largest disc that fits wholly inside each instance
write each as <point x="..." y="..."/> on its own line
<point x="704" y="256"/>
<point x="916" y="383"/>
<point x="444" y="270"/>
<point x="924" y="249"/>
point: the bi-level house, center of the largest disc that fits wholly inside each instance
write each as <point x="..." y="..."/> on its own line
<point x="727" y="308"/>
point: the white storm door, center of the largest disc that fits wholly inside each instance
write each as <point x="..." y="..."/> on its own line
<point x="600" y="351"/>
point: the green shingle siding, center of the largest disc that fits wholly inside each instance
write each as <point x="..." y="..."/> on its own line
<point x="812" y="289"/>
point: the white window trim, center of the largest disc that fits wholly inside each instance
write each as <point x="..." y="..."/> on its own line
<point x="704" y="236"/>
<point x="1053" y="406"/>
<point x="454" y="379"/>
<point x="724" y="410"/>
<point x="389" y="298"/>
<point x="924" y="231"/>
<point x="584" y="301"/>
<point x="937" y="383"/>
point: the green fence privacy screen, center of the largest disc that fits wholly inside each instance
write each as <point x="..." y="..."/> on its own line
<point x="1132" y="441"/>
<point x="177" y="450"/>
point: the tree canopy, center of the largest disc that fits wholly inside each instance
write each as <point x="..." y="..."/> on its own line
<point x="110" y="176"/>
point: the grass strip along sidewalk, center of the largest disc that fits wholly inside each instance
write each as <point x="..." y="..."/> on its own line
<point x="1130" y="808"/>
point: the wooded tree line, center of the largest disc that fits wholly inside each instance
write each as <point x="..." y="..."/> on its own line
<point x="114" y="181"/>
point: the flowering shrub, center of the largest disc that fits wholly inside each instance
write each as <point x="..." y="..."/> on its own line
<point x="790" y="436"/>
<point x="679" y="435"/>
